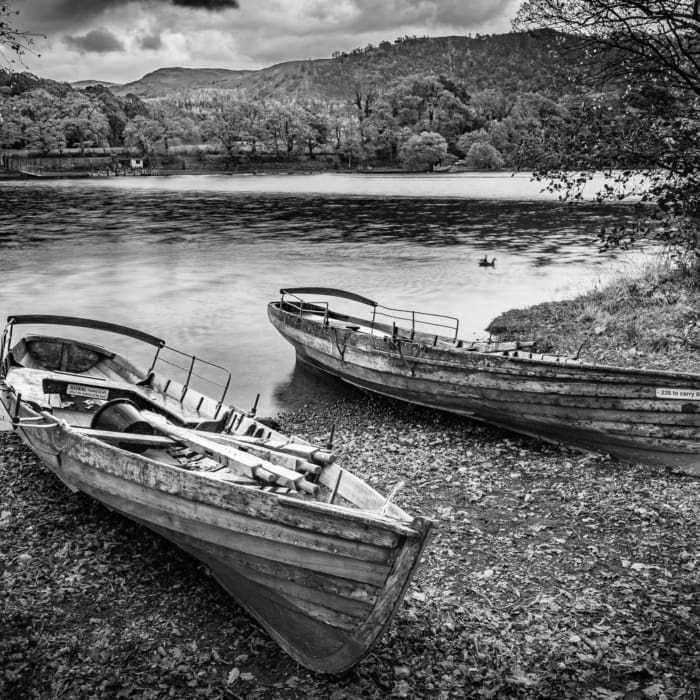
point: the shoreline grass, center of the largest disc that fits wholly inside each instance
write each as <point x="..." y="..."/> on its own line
<point x="645" y="316"/>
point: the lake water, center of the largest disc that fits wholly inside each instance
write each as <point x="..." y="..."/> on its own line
<point x="195" y="259"/>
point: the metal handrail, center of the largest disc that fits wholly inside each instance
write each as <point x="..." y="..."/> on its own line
<point x="377" y="309"/>
<point x="44" y="319"/>
<point x="414" y="321"/>
<point x="193" y="362"/>
<point x="328" y="291"/>
<point x="85" y="323"/>
<point x="301" y="304"/>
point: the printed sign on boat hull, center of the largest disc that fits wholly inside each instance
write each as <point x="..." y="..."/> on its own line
<point x="87" y="391"/>
<point x="684" y="394"/>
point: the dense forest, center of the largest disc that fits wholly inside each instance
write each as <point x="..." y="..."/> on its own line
<point x="517" y="101"/>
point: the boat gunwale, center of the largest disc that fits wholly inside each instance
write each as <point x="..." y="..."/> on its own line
<point x="497" y="356"/>
<point x="361" y="517"/>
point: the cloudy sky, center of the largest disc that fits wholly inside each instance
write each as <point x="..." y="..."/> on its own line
<point x="121" y="40"/>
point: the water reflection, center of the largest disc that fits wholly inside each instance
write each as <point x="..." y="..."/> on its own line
<point x="194" y="260"/>
<point x="536" y="230"/>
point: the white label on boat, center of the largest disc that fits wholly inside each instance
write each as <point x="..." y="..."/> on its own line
<point x="686" y="394"/>
<point x="90" y="391"/>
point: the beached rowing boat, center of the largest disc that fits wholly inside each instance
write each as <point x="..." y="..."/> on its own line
<point x="639" y="415"/>
<point x="315" y="554"/>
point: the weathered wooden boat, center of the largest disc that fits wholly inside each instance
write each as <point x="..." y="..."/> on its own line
<point x="319" y="558"/>
<point x="639" y="415"/>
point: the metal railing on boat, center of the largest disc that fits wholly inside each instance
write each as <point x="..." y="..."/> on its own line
<point x="188" y="369"/>
<point x="420" y="321"/>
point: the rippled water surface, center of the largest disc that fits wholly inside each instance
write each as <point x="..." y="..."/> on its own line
<point x="195" y="259"/>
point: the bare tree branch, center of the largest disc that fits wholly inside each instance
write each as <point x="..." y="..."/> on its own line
<point x="14" y="43"/>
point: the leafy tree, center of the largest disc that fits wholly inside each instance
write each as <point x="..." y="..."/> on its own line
<point x="380" y="133"/>
<point x="84" y="121"/>
<point x="251" y="120"/>
<point x="430" y="103"/>
<point x="221" y="124"/>
<point x="12" y="125"/>
<point x="236" y="123"/>
<point x="422" y="151"/>
<point x="350" y="146"/>
<point x="653" y="48"/>
<point x="143" y="133"/>
<point x="117" y="110"/>
<point x="33" y="120"/>
<point x="177" y="125"/>
<point x="469" y="138"/>
<point x="489" y="105"/>
<point x="483" y="156"/>
<point x="365" y="91"/>
<point x="346" y="138"/>
<point x="314" y="132"/>
<point x="452" y="116"/>
<point x="293" y="123"/>
<point x="273" y="122"/>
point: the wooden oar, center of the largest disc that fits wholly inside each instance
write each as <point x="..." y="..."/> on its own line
<point x="281" y="458"/>
<point x="117" y="436"/>
<point x="229" y="456"/>
<point x="308" y="452"/>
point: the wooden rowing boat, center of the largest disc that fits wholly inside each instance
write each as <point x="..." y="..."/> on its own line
<point x="312" y="552"/>
<point x="639" y="415"/>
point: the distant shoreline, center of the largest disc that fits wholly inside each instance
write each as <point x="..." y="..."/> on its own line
<point x="119" y="161"/>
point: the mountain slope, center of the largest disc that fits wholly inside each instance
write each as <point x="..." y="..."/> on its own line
<point x="164" y="80"/>
<point x="510" y="62"/>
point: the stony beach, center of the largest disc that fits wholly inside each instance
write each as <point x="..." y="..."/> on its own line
<point x="552" y="574"/>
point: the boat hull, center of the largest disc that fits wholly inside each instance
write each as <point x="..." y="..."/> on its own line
<point x="324" y="582"/>
<point x="647" y="416"/>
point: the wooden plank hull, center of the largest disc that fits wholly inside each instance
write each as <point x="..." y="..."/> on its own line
<point x="325" y="598"/>
<point x="647" y="416"/>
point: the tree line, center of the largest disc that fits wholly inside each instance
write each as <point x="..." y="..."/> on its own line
<point x="575" y="116"/>
<point x="416" y="122"/>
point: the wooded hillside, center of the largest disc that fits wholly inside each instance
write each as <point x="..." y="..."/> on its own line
<point x="518" y="101"/>
<point x="509" y="62"/>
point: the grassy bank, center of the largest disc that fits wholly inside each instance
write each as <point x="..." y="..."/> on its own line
<point x="645" y="316"/>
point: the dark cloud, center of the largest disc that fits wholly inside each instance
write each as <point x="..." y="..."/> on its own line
<point x="211" y="5"/>
<point x="50" y="16"/>
<point x="95" y="41"/>
<point x="153" y="42"/>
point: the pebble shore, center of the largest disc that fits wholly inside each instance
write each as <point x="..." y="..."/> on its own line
<point x="552" y="574"/>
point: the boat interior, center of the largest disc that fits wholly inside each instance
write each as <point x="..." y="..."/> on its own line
<point x="103" y="396"/>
